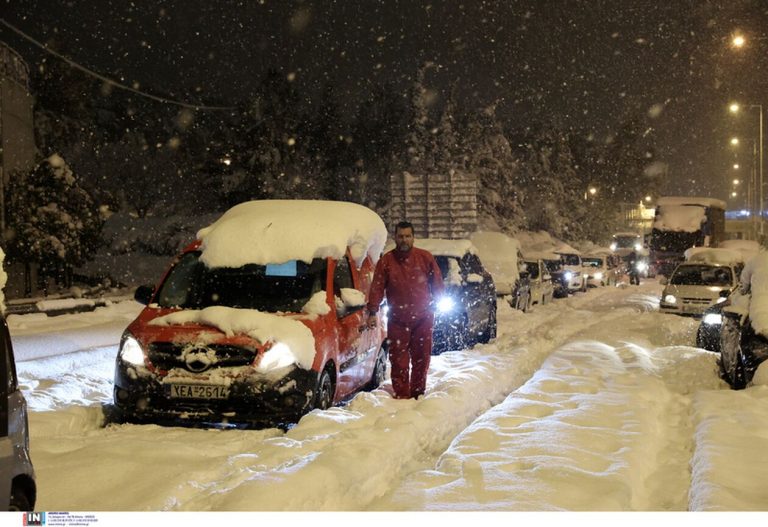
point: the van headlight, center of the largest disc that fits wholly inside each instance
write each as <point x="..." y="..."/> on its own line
<point x="670" y="299"/>
<point x="713" y="319"/>
<point x="445" y="304"/>
<point x="131" y="351"/>
<point x="568" y="275"/>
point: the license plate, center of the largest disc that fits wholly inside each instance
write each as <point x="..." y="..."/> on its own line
<point x="199" y="391"/>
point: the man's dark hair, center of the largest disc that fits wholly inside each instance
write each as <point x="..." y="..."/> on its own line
<point x="404" y="225"/>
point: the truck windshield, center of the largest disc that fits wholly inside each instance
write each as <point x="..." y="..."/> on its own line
<point x="626" y="242"/>
<point x="272" y="289"/>
<point x="673" y="241"/>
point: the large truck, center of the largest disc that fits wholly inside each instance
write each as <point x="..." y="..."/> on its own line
<point x="681" y="223"/>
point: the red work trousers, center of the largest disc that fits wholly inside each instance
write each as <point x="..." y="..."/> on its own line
<point x="410" y="348"/>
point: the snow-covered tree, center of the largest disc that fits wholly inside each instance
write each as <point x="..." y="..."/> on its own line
<point x="52" y="220"/>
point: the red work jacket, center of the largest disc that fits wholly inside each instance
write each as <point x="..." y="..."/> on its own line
<point x="410" y="280"/>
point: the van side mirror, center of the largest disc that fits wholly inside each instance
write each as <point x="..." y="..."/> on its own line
<point x="143" y="294"/>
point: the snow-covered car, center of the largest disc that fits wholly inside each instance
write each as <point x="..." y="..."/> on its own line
<point x="744" y="333"/>
<point x="502" y="257"/>
<point x="573" y="275"/>
<point x="260" y="319"/>
<point x="706" y="278"/>
<point x="693" y="287"/>
<point x="602" y="269"/>
<point x="540" y="280"/>
<point x="18" y="490"/>
<point x="466" y="313"/>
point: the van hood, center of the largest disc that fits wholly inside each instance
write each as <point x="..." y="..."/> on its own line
<point x="214" y="323"/>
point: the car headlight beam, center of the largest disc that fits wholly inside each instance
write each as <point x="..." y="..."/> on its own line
<point x="713" y="319"/>
<point x="131" y="352"/>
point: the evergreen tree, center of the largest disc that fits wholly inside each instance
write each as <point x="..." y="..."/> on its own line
<point x="54" y="221"/>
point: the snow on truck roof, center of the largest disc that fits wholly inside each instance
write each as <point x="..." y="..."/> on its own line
<point x="277" y="231"/>
<point x="686" y="200"/>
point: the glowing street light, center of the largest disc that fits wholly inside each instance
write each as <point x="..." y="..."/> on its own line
<point x="738" y="41"/>
<point x="735" y="108"/>
<point x="734" y="141"/>
<point x="648" y="199"/>
<point x="592" y="191"/>
<point x="736" y="181"/>
<point x="734" y="194"/>
<point x="735" y="166"/>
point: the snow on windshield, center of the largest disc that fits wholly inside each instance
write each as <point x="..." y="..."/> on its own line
<point x="276" y="231"/>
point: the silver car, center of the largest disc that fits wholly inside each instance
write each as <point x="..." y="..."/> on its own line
<point x="695" y="286"/>
<point x="18" y="490"/>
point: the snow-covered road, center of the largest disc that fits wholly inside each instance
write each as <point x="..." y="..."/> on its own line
<point x="595" y="402"/>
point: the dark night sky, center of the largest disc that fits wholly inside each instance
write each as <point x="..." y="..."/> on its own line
<point x="585" y="64"/>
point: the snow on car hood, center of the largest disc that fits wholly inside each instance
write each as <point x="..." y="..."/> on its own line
<point x="264" y="327"/>
<point x="277" y="231"/>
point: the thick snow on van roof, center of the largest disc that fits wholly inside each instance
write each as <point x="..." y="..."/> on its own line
<point x="439" y="246"/>
<point x="687" y="200"/>
<point x="276" y="231"/>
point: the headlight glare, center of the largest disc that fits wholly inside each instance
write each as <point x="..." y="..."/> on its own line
<point x="598" y="276"/>
<point x="131" y="352"/>
<point x="568" y="275"/>
<point x="670" y="299"/>
<point x="713" y="319"/>
<point x="445" y="304"/>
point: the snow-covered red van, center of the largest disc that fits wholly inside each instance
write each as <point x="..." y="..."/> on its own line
<point x="261" y="319"/>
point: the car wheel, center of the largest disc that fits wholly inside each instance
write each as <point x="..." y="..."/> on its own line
<point x="490" y="330"/>
<point x="324" y="393"/>
<point x="20" y="501"/>
<point x="379" y="370"/>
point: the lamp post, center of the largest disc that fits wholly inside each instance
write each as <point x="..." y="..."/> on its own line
<point x="735" y="108"/>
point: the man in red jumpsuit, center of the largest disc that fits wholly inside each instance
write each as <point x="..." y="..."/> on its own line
<point x="411" y="281"/>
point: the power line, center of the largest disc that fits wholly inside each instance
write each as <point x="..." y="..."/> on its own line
<point x="108" y="80"/>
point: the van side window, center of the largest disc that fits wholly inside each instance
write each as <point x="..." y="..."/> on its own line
<point x="342" y="276"/>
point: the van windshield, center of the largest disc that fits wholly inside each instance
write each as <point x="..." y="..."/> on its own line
<point x="570" y="259"/>
<point x="279" y="288"/>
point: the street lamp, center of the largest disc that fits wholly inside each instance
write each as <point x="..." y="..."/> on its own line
<point x="734" y="141"/>
<point x="738" y="41"/>
<point x="734" y="107"/>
